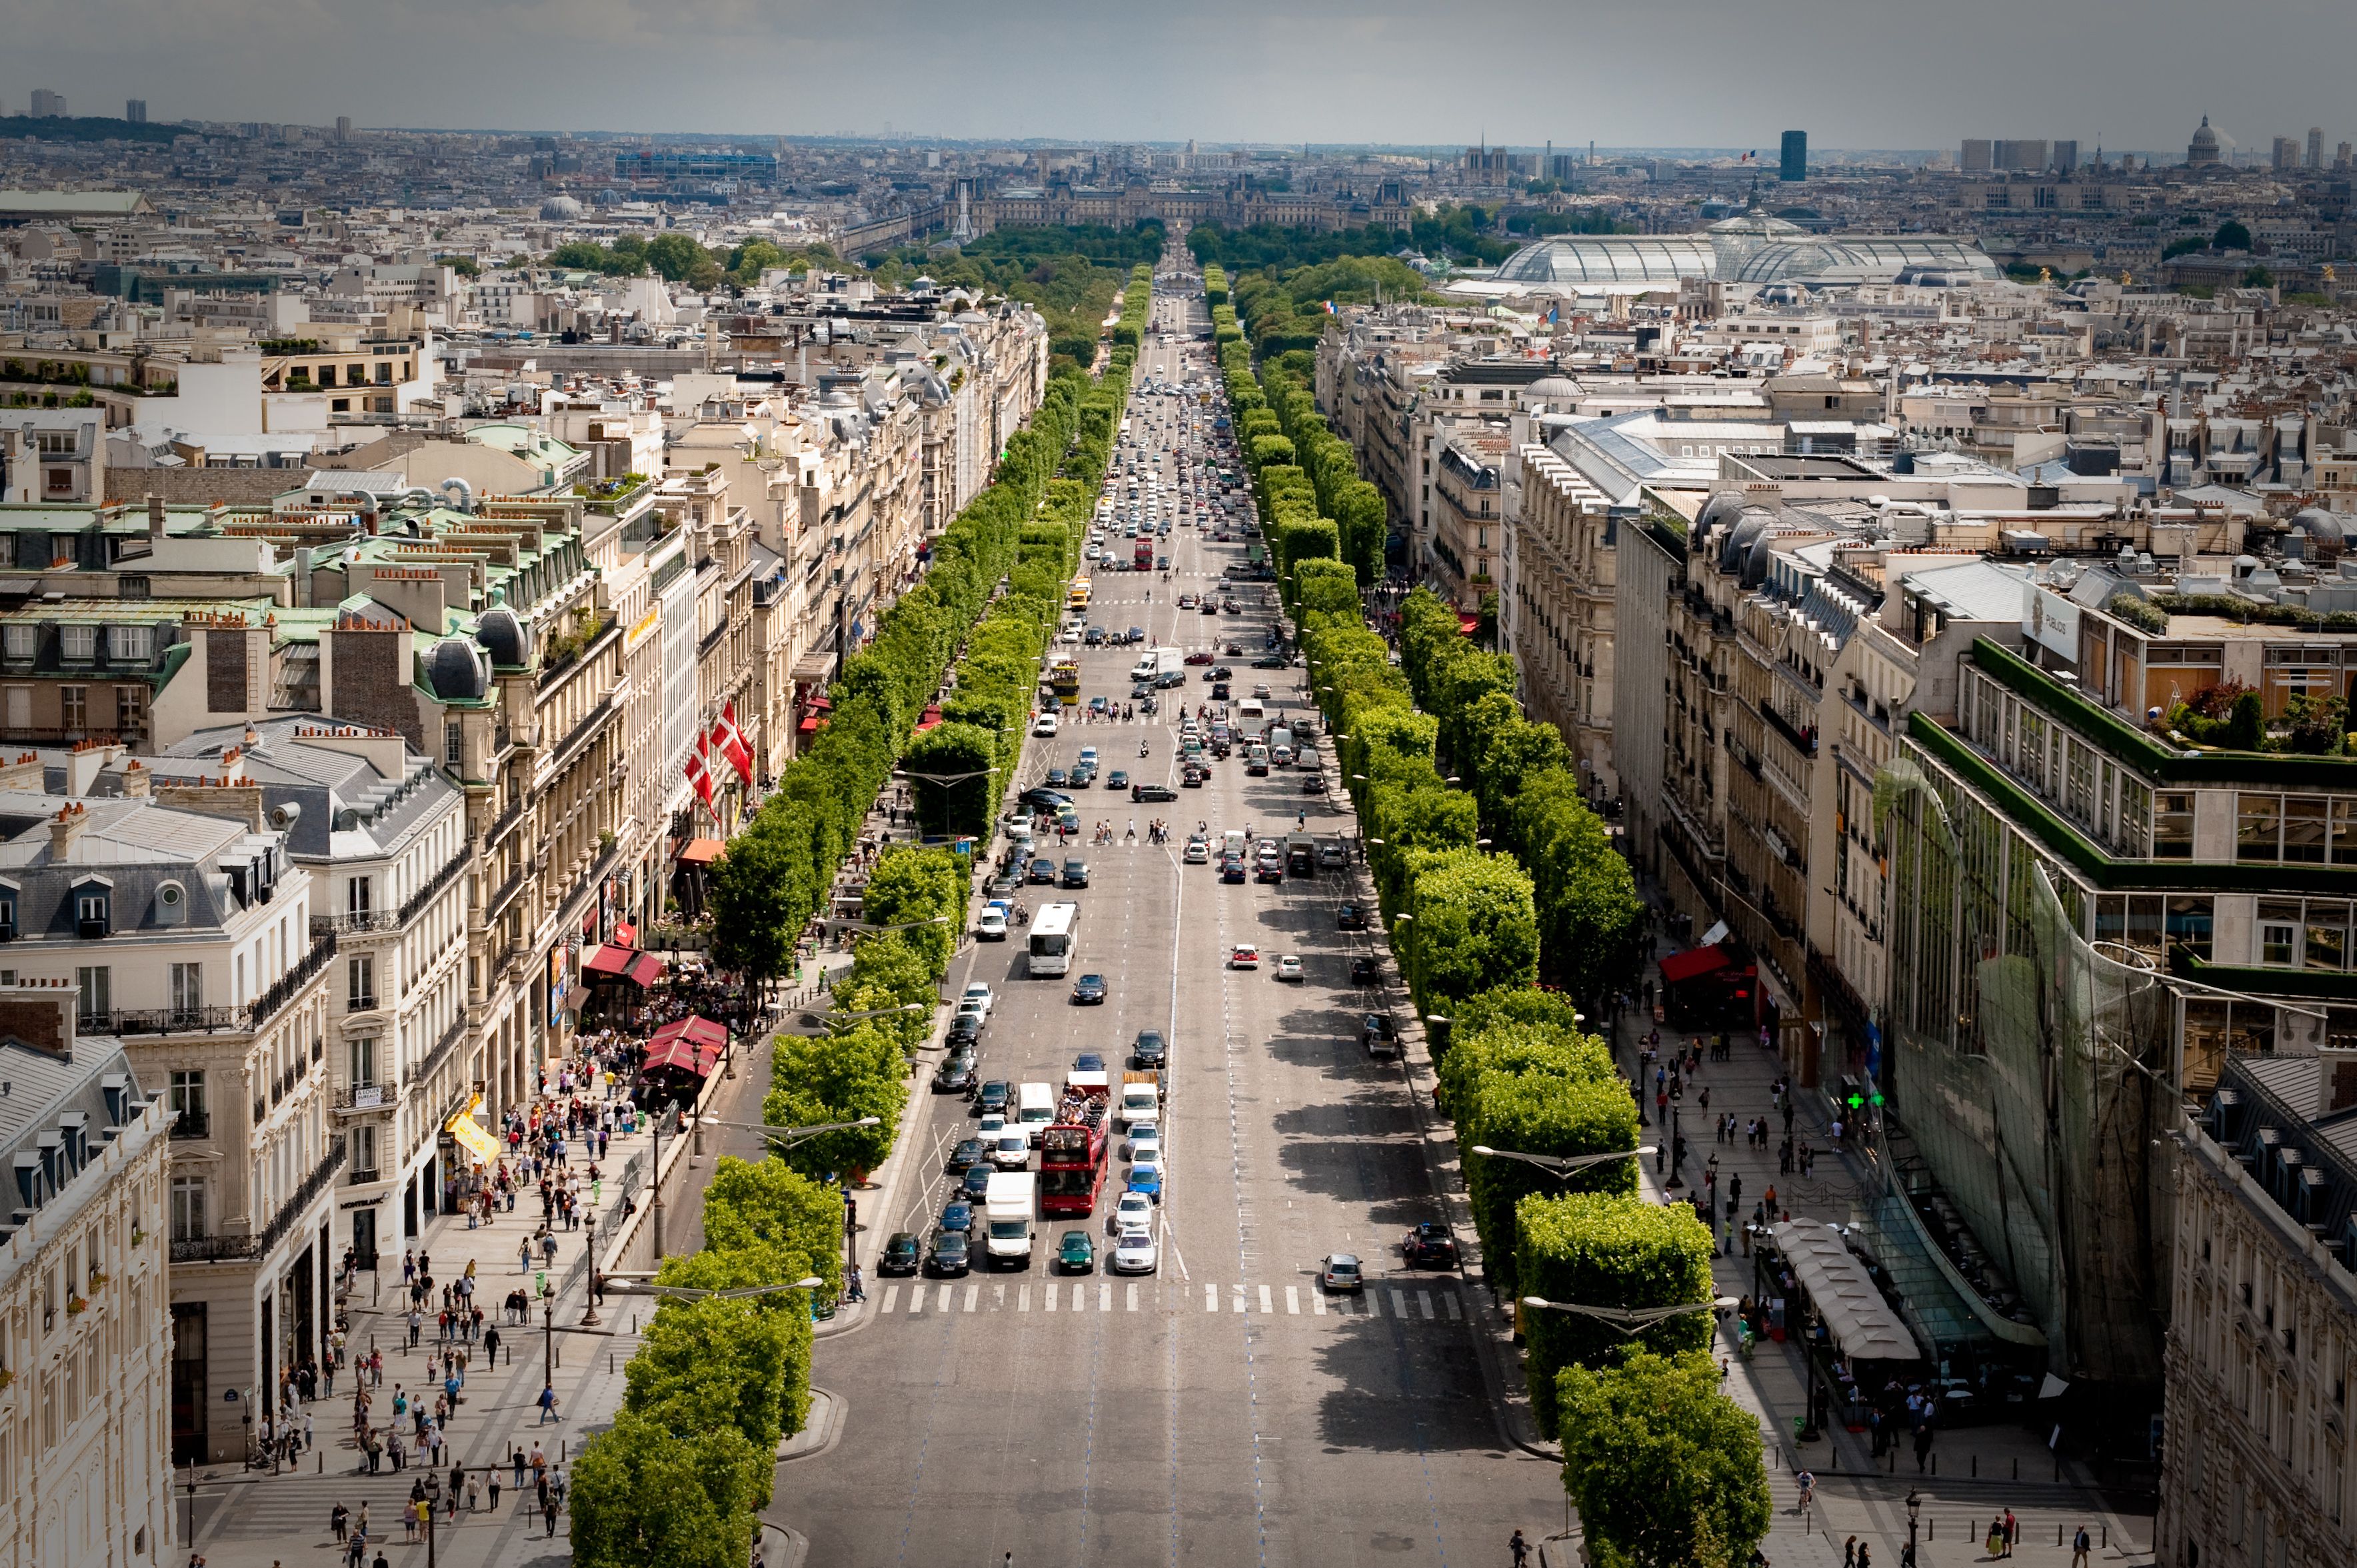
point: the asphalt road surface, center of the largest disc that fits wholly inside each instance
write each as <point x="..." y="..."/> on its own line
<point x="1222" y="1410"/>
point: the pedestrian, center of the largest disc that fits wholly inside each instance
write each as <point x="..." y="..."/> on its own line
<point x="1865" y="1555"/>
<point x="1995" y="1544"/>
<point x="1922" y="1446"/>
<point x="1520" y="1548"/>
<point x="1849" y="1553"/>
<point x="548" y="1514"/>
<point x="2080" y="1547"/>
<point x="2012" y="1531"/>
<point x="547" y="1403"/>
<point x="339" y="1520"/>
<point x="491" y="1484"/>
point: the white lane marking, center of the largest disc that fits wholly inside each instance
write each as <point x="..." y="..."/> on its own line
<point x="891" y="1294"/>
<point x="1293" y="1300"/>
<point x="1210" y="1296"/>
<point x="1132" y="1298"/>
<point x="999" y="1298"/>
<point x="1172" y="1243"/>
<point x="1424" y="1304"/>
<point x="1105" y="1297"/>
<point x="1318" y="1304"/>
<point x="1238" y="1300"/>
<point x="1448" y="1301"/>
<point x="973" y="1295"/>
<point x="1050" y="1289"/>
<point x="1399" y="1304"/>
<point x="915" y="1299"/>
<point x="1265" y="1305"/>
<point x="1023" y="1298"/>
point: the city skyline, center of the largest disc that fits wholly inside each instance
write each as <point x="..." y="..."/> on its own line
<point x="1215" y="71"/>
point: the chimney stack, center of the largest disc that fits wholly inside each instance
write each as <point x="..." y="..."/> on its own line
<point x="154" y="518"/>
<point x="65" y="828"/>
<point x="138" y="783"/>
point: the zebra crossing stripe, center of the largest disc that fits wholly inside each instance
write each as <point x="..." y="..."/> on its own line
<point x="1133" y="1295"/>
<point x="1293" y="1300"/>
<point x="1023" y="1298"/>
<point x="1448" y="1302"/>
<point x="891" y="1294"/>
<point x="1265" y="1305"/>
<point x="1424" y="1304"/>
<point x="1318" y="1304"/>
<point x="1399" y="1304"/>
<point x="1105" y="1297"/>
<point x="1051" y="1299"/>
<point x="1211" y="1297"/>
<point x="973" y="1295"/>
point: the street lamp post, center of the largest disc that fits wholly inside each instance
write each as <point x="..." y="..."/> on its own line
<point x="1563" y="1168"/>
<point x="787" y="1138"/>
<point x="1914" y="1507"/>
<point x="1632" y="1320"/>
<point x="1678" y="1152"/>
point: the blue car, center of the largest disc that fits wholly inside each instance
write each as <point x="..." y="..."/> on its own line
<point x="1146" y="1179"/>
<point x="957" y="1214"/>
<point x="975" y="1183"/>
<point x="1088" y="1061"/>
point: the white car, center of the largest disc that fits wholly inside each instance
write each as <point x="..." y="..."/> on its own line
<point x="980" y="993"/>
<point x="1047" y="723"/>
<point x="990" y="926"/>
<point x="1198" y="850"/>
<point x="974" y="1010"/>
<point x="1145" y="1148"/>
<point x="1135" y="1210"/>
<point x="1011" y="1150"/>
<point x="1134" y="1251"/>
<point x="994" y="1126"/>
<point x="1288" y="968"/>
<point x="1244" y="955"/>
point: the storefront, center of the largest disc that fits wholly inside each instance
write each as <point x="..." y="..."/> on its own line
<point x="1810" y="1288"/>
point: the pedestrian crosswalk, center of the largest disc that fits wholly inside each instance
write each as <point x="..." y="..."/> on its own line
<point x="929" y="1298"/>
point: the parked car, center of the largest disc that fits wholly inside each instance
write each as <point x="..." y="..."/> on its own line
<point x="1350" y="917"/>
<point x="1365" y="972"/>
<point x="1340" y="1272"/>
<point x="1429" y="1246"/>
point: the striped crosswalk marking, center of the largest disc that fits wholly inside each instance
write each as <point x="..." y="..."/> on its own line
<point x="1133" y="1295"/>
<point x="1105" y="1297"/>
<point x="1424" y="1304"/>
<point x="1238" y="1303"/>
<point x="1448" y="1302"/>
<point x="1265" y="1305"/>
<point x="999" y="1298"/>
<point x="1399" y="1304"/>
<point x="915" y="1299"/>
<point x="973" y="1295"/>
<point x="891" y="1295"/>
<point x="1293" y="1300"/>
<point x="1318" y="1304"/>
<point x="1051" y="1299"/>
<point x="1211" y="1297"/>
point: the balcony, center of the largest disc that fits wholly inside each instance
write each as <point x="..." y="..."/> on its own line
<point x="354" y="924"/>
<point x="191" y="1124"/>
<point x="271" y="1002"/>
<point x="1803" y="741"/>
<point x="234" y="1249"/>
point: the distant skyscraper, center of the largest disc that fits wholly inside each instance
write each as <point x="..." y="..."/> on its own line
<point x="2316" y="146"/>
<point x="2023" y="156"/>
<point x="2066" y="157"/>
<point x="1975" y="156"/>
<point x="1795" y="161"/>
<point x="135" y="111"/>
<point x="343" y="127"/>
<point x="47" y="105"/>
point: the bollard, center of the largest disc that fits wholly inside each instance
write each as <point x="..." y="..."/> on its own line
<point x="1935" y="1463"/>
<point x="2058" y="1533"/>
<point x="2058" y="1469"/>
<point x="1977" y="1467"/>
<point x="2107" y="1536"/>
<point x="1930" y="1530"/>
<point x="2017" y="1467"/>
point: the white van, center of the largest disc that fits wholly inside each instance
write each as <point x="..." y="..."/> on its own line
<point x="1250" y="710"/>
<point x="1035" y="1108"/>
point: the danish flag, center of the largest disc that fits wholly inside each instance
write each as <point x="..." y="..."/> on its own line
<point x="729" y="741"/>
<point x="698" y="773"/>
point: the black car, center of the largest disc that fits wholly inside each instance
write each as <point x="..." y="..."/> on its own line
<point x="1350" y="917"/>
<point x="949" y="1254"/>
<point x="902" y="1254"/>
<point x="1044" y="871"/>
<point x="1269" y="661"/>
<point x="1151" y="1049"/>
<point x="1365" y="972"/>
<point x="975" y="1183"/>
<point x="1313" y="784"/>
<point x="1220" y="692"/>
<point x="964" y="1036"/>
<point x="1429" y="1246"/>
<point x="1042" y="799"/>
<point x="1090" y="989"/>
<point x="1379" y="1034"/>
<point x="1141" y="792"/>
<point x="1076" y="872"/>
<point x="994" y="1097"/>
<point x="968" y="1155"/>
<point x="1219" y="673"/>
<point x="955" y="1075"/>
<point x="1058" y="778"/>
<point x="957" y="1215"/>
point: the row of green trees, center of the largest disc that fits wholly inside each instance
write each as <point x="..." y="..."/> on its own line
<point x="716" y="1385"/>
<point x="1449" y="231"/>
<point x="681" y="1475"/>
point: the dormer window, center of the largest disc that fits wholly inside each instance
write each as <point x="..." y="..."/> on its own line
<point x="131" y="644"/>
<point x="22" y="643"/>
<point x="93" y="910"/>
<point x="171" y="904"/>
<point x="78" y="644"/>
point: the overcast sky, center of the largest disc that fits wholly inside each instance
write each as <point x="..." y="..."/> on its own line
<point x="2131" y="74"/>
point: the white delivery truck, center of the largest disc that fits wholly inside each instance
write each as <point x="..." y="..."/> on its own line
<point x="1035" y="1109"/>
<point x="1007" y="1208"/>
<point x="1141" y="1100"/>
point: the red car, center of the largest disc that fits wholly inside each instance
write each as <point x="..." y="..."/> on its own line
<point x="1202" y="655"/>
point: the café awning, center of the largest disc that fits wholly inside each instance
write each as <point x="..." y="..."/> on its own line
<point x="701" y="852"/>
<point x="609" y="960"/>
<point x="472" y="1137"/>
<point x="1692" y="965"/>
<point x="1854" y="1313"/>
<point x="691" y="1045"/>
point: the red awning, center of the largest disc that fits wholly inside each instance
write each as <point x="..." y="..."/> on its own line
<point x="930" y="720"/>
<point x="607" y="960"/>
<point x="820" y="704"/>
<point x="702" y="851"/>
<point x="625" y="934"/>
<point x="1468" y="624"/>
<point x="691" y="1045"/>
<point x="645" y="969"/>
<point x="807" y="727"/>
<point x="1685" y="966"/>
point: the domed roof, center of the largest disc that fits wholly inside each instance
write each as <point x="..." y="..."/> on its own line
<point x="1754" y="221"/>
<point x="1552" y="387"/>
<point x="560" y="207"/>
<point x="2205" y="136"/>
<point x="456" y="670"/>
<point x="2321" y="525"/>
<point x="1719" y="511"/>
<point x="500" y="632"/>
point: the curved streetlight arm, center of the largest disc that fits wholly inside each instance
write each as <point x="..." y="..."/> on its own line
<point x="1563" y="1165"/>
<point x="787" y="1138"/>
<point x="690" y="1292"/>
<point x="947" y="777"/>
<point x="1632" y="1320"/>
<point x="902" y="926"/>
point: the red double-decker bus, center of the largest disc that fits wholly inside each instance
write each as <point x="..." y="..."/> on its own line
<point x="1073" y="1149"/>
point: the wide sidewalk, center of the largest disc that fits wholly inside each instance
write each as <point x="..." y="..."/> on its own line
<point x="1856" y="1495"/>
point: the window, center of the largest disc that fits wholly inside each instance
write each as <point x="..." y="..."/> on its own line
<point x="2079" y="782"/>
<point x="78" y="644"/>
<point x="359" y="894"/>
<point x="2189" y="924"/>
<point x="365" y="1152"/>
<point x="2327" y="935"/>
<point x="73" y="710"/>
<point x="188" y="990"/>
<point x="94" y="995"/>
<point x="2258" y="827"/>
<point x="453" y="734"/>
<point x="186" y="1096"/>
<point x="22" y="642"/>
<point x="2172" y="820"/>
<point x="2279" y="923"/>
<point x="355" y="375"/>
<point x="361" y="974"/>
<point x="131" y="711"/>
<point x="131" y="644"/>
<point x="2304" y="828"/>
<point x="58" y="483"/>
<point x="363" y="1058"/>
<point x="90" y="914"/>
<point x="326" y="375"/>
<point x="187" y="1209"/>
<point x="8" y="914"/>
<point x="172" y="907"/>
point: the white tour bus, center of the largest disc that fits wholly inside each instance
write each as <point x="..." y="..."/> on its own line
<point x="1053" y="933"/>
